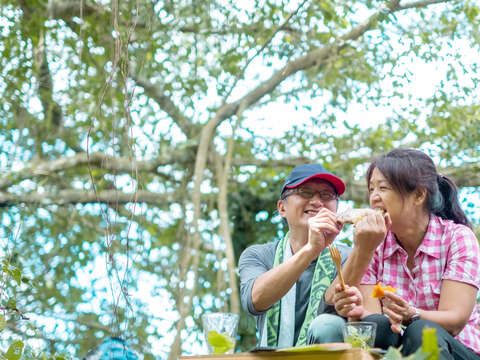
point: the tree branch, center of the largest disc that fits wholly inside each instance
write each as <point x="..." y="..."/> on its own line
<point x="124" y="165"/>
<point x="52" y="112"/>
<point x="241" y="73"/>
<point x="253" y="28"/>
<point x="313" y="58"/>
<point x="420" y="4"/>
<point x="274" y="163"/>
<point x="166" y="104"/>
<point x="464" y="176"/>
<point x="67" y="10"/>
<point x="65" y="197"/>
<point x="467" y="175"/>
<point x="98" y="160"/>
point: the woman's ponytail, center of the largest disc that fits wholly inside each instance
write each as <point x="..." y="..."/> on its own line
<point x="445" y="202"/>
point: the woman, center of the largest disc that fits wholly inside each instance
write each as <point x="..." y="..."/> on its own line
<point x="430" y="255"/>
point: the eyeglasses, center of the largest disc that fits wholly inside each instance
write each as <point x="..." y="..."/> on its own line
<point x="308" y="194"/>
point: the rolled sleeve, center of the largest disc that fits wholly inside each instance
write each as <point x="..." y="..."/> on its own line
<point x="463" y="258"/>
<point x="252" y="264"/>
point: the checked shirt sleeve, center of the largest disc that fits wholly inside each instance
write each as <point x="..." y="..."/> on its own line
<point x="463" y="259"/>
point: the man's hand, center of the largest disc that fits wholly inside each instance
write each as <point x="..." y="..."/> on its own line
<point x="348" y="302"/>
<point x="371" y="230"/>
<point x="322" y="230"/>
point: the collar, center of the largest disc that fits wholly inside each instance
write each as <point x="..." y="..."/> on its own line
<point x="430" y="244"/>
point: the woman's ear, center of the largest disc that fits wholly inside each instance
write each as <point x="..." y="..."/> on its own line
<point x="420" y="196"/>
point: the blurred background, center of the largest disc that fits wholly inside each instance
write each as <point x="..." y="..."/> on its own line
<point x="144" y="145"/>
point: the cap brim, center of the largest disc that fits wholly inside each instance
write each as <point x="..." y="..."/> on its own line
<point x="337" y="183"/>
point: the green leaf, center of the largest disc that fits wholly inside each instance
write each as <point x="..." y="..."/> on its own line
<point x="17" y="275"/>
<point x="430" y="344"/>
<point x="3" y="322"/>
<point x="12" y="303"/>
<point x="15" y="351"/>
<point x="393" y="354"/>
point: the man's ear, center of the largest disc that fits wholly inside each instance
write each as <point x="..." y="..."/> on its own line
<point x="420" y="196"/>
<point x="281" y="207"/>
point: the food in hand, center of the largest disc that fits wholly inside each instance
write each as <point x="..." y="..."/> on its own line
<point x="353" y="216"/>
<point x="379" y="290"/>
<point x="220" y="343"/>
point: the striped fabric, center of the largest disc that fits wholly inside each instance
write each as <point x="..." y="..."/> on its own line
<point x="323" y="276"/>
<point x="449" y="251"/>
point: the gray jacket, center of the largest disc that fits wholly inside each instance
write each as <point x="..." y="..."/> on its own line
<point x="257" y="260"/>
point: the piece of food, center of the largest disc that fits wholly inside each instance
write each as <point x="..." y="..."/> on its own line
<point x="379" y="290"/>
<point x="352" y="216"/>
<point x="358" y="341"/>
<point x="358" y="338"/>
<point x="220" y="343"/>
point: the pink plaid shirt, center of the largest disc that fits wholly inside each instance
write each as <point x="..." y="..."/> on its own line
<point x="449" y="251"/>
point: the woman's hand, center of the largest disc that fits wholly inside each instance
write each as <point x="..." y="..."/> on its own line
<point x="348" y="302"/>
<point x="371" y="230"/>
<point x="397" y="310"/>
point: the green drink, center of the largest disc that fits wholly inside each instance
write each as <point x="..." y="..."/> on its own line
<point x="360" y="334"/>
<point x="220" y="332"/>
<point x="220" y="343"/>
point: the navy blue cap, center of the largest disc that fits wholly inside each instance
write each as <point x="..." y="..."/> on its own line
<point x="303" y="173"/>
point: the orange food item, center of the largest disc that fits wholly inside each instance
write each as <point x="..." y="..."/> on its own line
<point x="379" y="290"/>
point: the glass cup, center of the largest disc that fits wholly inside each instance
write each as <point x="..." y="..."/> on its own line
<point x="220" y="332"/>
<point x="360" y="334"/>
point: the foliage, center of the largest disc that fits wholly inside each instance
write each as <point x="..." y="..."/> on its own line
<point x="117" y="119"/>
<point x="11" y="280"/>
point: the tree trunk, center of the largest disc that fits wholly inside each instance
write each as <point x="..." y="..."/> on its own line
<point x="222" y="176"/>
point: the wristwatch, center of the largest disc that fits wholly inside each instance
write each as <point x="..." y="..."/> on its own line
<point x="414" y="317"/>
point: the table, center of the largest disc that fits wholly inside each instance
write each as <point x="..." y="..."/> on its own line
<point x="348" y="354"/>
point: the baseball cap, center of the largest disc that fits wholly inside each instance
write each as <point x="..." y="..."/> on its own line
<point x="303" y="173"/>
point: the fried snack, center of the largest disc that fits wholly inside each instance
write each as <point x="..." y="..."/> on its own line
<point x="379" y="290"/>
<point x="352" y="216"/>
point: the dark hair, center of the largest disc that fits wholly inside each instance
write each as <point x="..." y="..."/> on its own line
<point x="410" y="169"/>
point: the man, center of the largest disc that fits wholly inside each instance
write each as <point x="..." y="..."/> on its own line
<point x="284" y="283"/>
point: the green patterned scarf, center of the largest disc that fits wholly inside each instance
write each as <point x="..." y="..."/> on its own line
<point x="322" y="278"/>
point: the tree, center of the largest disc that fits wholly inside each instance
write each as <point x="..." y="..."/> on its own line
<point x="131" y="149"/>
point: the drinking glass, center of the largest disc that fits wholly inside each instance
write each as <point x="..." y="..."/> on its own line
<point x="220" y="332"/>
<point x="360" y="334"/>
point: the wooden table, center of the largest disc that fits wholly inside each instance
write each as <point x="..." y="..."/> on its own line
<point x="350" y="354"/>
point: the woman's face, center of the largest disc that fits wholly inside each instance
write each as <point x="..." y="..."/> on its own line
<point x="383" y="196"/>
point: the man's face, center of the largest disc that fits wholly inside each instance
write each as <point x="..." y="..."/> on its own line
<point x="306" y="200"/>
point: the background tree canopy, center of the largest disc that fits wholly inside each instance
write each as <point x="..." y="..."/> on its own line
<point x="144" y="144"/>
